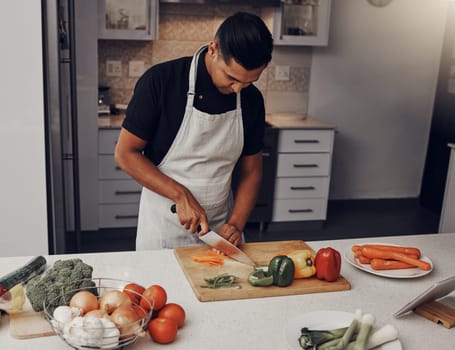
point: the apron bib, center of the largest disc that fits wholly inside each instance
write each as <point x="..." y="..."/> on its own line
<point x="201" y="158"/>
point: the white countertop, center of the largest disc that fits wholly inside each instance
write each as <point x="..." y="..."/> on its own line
<point x="259" y="323"/>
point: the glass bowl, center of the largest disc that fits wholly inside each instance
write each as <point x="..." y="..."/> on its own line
<point x="94" y="333"/>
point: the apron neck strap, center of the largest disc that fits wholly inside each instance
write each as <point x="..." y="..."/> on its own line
<point x="192" y="79"/>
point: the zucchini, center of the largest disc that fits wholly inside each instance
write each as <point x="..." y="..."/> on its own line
<point x="23" y="274"/>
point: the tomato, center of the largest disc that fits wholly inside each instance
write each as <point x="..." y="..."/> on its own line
<point x="174" y="312"/>
<point x="139" y="310"/>
<point x="162" y="330"/>
<point x="134" y="291"/>
<point x="155" y="295"/>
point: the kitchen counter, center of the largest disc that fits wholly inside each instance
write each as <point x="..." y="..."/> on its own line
<point x="259" y="323"/>
<point x="286" y="121"/>
<point x="114" y="121"/>
<point x="110" y="121"/>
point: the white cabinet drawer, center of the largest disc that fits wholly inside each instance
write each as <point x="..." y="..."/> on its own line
<point x="317" y="164"/>
<point x="301" y="187"/>
<point x="108" y="169"/>
<point x="119" y="191"/>
<point x="305" y="141"/>
<point x="118" y="215"/>
<point x="299" y="209"/>
<point x="107" y="140"/>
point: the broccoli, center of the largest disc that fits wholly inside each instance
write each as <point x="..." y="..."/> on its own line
<point x="59" y="283"/>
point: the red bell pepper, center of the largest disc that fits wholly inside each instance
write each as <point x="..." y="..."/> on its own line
<point x="328" y="264"/>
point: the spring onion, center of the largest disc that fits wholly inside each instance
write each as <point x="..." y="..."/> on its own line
<point x="364" y="332"/>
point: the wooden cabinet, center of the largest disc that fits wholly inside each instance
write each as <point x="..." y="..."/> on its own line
<point x="118" y="193"/>
<point x="447" y="222"/>
<point x="303" y="174"/>
<point x="128" y="19"/>
<point x="302" y="22"/>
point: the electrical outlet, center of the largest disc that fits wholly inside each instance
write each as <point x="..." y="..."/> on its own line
<point x="113" y="68"/>
<point x="136" y="68"/>
<point x="282" y="72"/>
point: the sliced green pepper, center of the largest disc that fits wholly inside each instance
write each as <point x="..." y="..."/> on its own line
<point x="260" y="278"/>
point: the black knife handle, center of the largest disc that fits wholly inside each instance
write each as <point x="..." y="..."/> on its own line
<point x="174" y="211"/>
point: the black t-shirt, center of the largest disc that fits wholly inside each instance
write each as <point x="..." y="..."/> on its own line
<point x="156" y="109"/>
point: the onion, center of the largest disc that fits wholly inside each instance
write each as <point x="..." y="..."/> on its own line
<point x="98" y="313"/>
<point x="127" y="321"/>
<point x="84" y="301"/>
<point x="113" y="299"/>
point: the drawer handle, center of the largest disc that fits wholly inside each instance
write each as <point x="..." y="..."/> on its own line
<point x="306" y="141"/>
<point x="305" y="188"/>
<point x="126" y="192"/>
<point x="293" y="211"/>
<point x="306" y="165"/>
<point x="120" y="217"/>
<point x="266" y="154"/>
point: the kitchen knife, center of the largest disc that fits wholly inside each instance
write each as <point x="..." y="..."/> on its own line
<point x="214" y="240"/>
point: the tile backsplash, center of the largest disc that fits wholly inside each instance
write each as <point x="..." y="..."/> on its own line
<point x="183" y="28"/>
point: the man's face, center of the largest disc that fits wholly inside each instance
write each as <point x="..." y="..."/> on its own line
<point x="228" y="78"/>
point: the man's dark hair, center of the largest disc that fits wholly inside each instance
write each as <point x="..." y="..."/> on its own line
<point x="245" y="38"/>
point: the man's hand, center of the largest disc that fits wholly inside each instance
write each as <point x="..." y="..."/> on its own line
<point x="191" y="215"/>
<point x="231" y="233"/>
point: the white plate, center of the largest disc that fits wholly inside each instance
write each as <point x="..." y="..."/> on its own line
<point x="401" y="273"/>
<point x="324" y="319"/>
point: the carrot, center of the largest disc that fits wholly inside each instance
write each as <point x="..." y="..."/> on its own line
<point x="210" y="257"/>
<point x="362" y="259"/>
<point x="386" y="254"/>
<point x="382" y="264"/>
<point x="405" y="250"/>
<point x="356" y="248"/>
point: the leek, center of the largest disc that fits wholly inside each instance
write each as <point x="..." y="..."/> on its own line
<point x="310" y="339"/>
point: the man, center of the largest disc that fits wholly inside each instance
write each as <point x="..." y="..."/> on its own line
<point x="187" y="124"/>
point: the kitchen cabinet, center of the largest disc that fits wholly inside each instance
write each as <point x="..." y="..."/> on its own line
<point x="302" y="23"/>
<point x="128" y="19"/>
<point x="118" y="193"/>
<point x="303" y="170"/>
<point x="447" y="222"/>
<point x="262" y="211"/>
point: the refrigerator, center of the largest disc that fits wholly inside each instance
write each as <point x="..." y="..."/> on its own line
<point x="48" y="138"/>
<point x="442" y="129"/>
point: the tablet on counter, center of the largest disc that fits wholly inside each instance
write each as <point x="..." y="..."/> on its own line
<point x="436" y="291"/>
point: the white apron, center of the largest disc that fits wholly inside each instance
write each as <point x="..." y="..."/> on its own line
<point x="201" y="158"/>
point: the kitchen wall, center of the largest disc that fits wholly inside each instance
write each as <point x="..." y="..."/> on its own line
<point x="377" y="81"/>
<point x="183" y="29"/>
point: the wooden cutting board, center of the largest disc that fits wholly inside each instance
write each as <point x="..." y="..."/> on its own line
<point x="261" y="253"/>
<point x="29" y="324"/>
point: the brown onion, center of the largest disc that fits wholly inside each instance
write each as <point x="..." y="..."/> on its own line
<point x="98" y="313"/>
<point x="113" y="299"/>
<point x="127" y="321"/>
<point x="84" y="301"/>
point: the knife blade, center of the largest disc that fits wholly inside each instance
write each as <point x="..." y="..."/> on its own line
<point x="216" y="241"/>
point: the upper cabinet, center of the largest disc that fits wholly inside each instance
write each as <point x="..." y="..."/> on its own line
<point x="128" y="19"/>
<point x="302" y="22"/>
